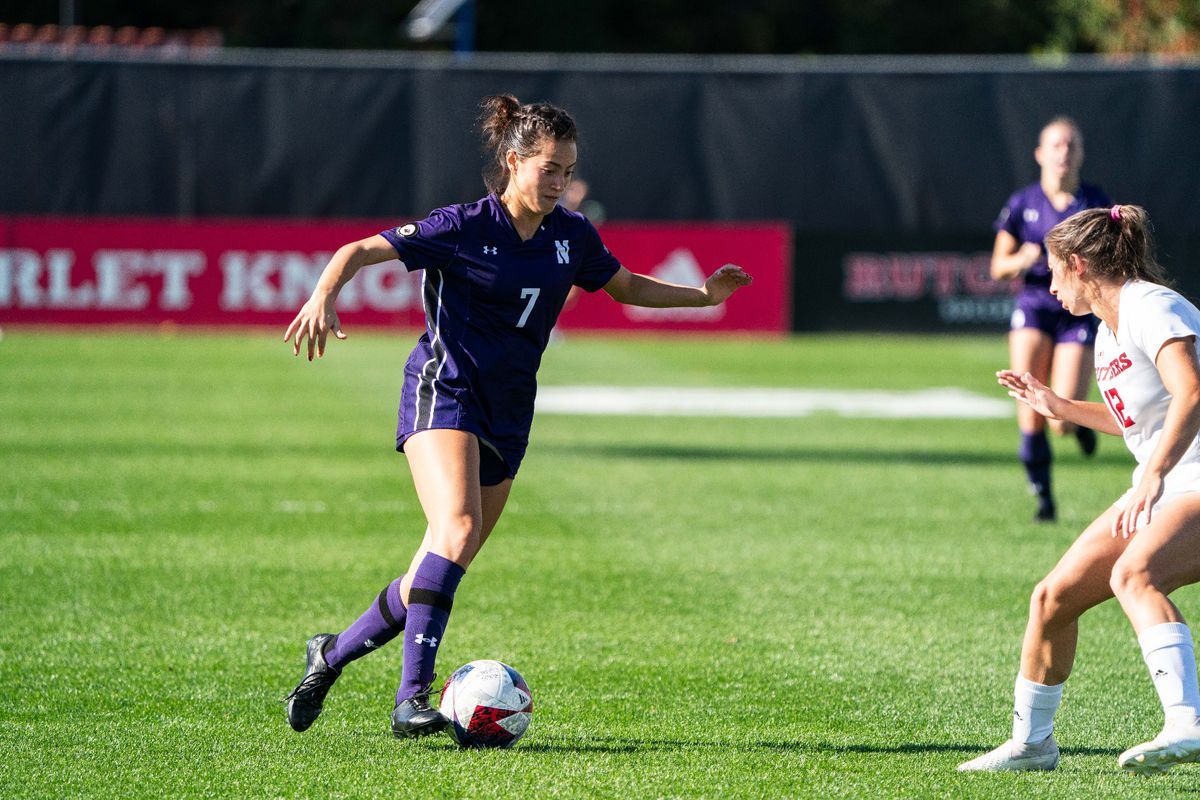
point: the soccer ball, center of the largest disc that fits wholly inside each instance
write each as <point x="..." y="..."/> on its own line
<point x="488" y="704"/>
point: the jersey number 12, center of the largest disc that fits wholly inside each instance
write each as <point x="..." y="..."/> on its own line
<point x="1117" y="407"/>
<point x="532" y="294"/>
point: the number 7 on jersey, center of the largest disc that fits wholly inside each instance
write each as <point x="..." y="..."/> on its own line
<point x="532" y="294"/>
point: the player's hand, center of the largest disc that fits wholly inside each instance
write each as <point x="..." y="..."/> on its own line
<point x="316" y="320"/>
<point x="725" y="282"/>
<point x="1031" y="253"/>
<point x="1141" y="507"/>
<point x="1030" y="391"/>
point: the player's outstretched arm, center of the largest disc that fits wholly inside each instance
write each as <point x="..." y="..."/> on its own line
<point x="317" y="318"/>
<point x="635" y="289"/>
<point x="1042" y="399"/>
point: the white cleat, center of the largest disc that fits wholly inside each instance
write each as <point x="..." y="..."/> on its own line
<point x="1177" y="744"/>
<point x="1012" y="757"/>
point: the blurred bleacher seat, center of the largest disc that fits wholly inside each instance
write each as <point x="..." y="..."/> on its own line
<point x="125" y="38"/>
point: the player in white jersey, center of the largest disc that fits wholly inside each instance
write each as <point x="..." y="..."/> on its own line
<point x="1147" y="544"/>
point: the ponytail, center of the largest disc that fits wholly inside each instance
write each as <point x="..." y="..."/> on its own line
<point x="1117" y="243"/>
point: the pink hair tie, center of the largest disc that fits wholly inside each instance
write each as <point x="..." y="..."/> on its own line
<point x="1115" y="213"/>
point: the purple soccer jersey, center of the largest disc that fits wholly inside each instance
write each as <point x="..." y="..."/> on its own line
<point x="491" y="301"/>
<point x="1028" y="216"/>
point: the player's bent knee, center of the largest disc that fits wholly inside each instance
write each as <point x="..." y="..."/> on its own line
<point x="460" y="530"/>
<point x="1129" y="577"/>
<point x="1048" y="602"/>
<point x="1042" y="601"/>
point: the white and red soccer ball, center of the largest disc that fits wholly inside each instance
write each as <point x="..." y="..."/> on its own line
<point x="488" y="704"/>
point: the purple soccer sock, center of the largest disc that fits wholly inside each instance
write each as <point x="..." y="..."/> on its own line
<point x="377" y="626"/>
<point x="429" y="603"/>
<point x="1035" y="455"/>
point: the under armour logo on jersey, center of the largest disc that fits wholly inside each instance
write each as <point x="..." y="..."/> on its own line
<point x="421" y="638"/>
<point x="1030" y="215"/>
<point x="563" y="247"/>
<point x="489" y="251"/>
<point x="370" y="645"/>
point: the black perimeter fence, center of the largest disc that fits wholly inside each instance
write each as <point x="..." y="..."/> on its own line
<point x="889" y="170"/>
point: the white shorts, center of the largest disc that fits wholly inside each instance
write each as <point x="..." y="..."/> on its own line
<point x="1183" y="479"/>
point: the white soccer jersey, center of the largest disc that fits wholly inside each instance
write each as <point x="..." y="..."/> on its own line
<point x="1149" y="316"/>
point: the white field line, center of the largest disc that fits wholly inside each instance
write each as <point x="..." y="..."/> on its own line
<point x="943" y="403"/>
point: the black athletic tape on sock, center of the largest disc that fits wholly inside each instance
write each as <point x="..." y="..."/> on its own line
<point x="428" y="597"/>
<point x="386" y="611"/>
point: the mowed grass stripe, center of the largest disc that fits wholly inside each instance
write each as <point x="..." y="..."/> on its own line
<point x="944" y="403"/>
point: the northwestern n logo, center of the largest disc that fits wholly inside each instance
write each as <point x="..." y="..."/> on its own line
<point x="563" y="247"/>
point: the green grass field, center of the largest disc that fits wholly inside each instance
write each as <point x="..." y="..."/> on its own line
<point x="704" y="607"/>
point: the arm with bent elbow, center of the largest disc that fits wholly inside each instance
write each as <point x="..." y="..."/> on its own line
<point x="317" y="318"/>
<point x="1180" y="374"/>
<point x="1010" y="258"/>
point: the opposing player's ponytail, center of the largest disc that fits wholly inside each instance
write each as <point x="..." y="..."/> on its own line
<point x="1117" y="243"/>
<point x="508" y="125"/>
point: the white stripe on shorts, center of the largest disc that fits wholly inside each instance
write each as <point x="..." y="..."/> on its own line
<point x="433" y="344"/>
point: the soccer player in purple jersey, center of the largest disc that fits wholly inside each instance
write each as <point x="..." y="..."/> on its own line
<point x="495" y="274"/>
<point x="1146" y="544"/>
<point x="1045" y="339"/>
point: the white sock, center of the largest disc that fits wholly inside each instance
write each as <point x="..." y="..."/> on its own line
<point x="1033" y="710"/>
<point x="1169" y="653"/>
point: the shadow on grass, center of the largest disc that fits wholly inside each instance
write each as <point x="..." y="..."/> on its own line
<point x="839" y="455"/>
<point x="613" y="744"/>
<point x="617" y="745"/>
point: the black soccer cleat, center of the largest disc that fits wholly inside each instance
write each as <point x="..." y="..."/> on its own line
<point x="416" y="717"/>
<point x="1046" y="511"/>
<point x="304" y="703"/>
<point x="1087" y="441"/>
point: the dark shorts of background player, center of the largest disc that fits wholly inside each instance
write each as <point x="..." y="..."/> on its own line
<point x="1047" y="315"/>
<point x="493" y="467"/>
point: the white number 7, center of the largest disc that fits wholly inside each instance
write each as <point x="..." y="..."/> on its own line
<point x="532" y="294"/>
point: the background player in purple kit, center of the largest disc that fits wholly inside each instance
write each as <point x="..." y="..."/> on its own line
<point x="495" y="274"/>
<point x="1046" y="340"/>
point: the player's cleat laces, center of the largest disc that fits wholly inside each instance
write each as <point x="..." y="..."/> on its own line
<point x="416" y="717"/>
<point x="1013" y="757"/>
<point x="1177" y="744"/>
<point x="305" y="701"/>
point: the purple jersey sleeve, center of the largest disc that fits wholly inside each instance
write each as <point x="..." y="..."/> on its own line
<point x="428" y="244"/>
<point x="1009" y="218"/>
<point x="598" y="265"/>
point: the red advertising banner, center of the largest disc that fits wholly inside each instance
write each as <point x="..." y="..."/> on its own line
<point x="687" y="253"/>
<point x="57" y="270"/>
